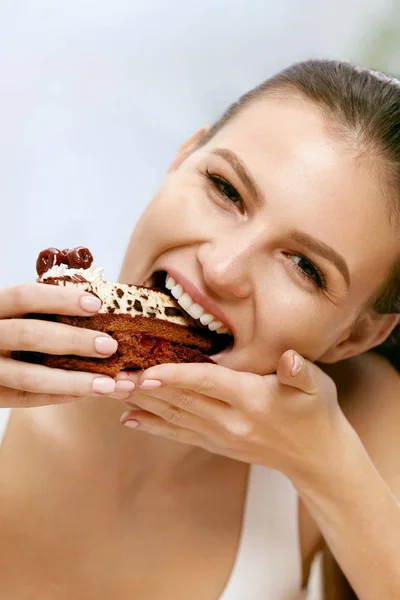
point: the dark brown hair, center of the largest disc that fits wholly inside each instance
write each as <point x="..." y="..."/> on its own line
<point x="363" y="108"/>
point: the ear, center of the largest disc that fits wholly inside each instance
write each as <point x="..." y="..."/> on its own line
<point x="187" y="148"/>
<point x="370" y="330"/>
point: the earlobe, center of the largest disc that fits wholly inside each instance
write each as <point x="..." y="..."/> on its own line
<point x="370" y="331"/>
<point x="187" y="148"/>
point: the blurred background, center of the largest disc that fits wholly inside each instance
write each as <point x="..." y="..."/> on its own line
<point x="96" y="96"/>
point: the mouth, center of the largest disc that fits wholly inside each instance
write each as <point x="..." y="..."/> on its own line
<point x="222" y="337"/>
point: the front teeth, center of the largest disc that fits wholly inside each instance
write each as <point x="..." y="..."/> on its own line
<point x="192" y="308"/>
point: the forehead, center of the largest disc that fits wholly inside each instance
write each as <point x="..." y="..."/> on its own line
<point x="314" y="179"/>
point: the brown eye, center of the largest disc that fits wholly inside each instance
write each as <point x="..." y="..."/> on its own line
<point x="79" y="258"/>
<point x="47" y="259"/>
<point x="307" y="269"/>
<point x="226" y="190"/>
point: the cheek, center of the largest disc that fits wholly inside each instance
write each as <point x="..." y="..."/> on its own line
<point x="177" y="216"/>
<point x="290" y="319"/>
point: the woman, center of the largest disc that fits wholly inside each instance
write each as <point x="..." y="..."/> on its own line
<point x="280" y="220"/>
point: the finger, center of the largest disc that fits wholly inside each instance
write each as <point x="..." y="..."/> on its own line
<point x="207" y="408"/>
<point x="296" y="371"/>
<point x="218" y="382"/>
<point x="129" y="375"/>
<point x="123" y="390"/>
<point x="54" y="338"/>
<point x="45" y="380"/>
<point x="22" y="399"/>
<point x="170" y="414"/>
<point x="149" y="423"/>
<point x="42" y="298"/>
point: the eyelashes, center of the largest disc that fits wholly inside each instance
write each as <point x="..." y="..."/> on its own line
<point x="226" y="190"/>
<point x="304" y="267"/>
<point x="308" y="269"/>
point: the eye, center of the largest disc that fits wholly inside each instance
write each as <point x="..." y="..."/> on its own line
<point x="307" y="269"/>
<point x="226" y="190"/>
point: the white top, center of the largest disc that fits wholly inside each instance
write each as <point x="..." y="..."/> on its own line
<point x="268" y="561"/>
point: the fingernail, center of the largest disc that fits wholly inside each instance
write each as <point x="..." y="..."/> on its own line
<point x="90" y="303"/>
<point x="105" y="345"/>
<point x="297" y="364"/>
<point x="150" y="384"/>
<point x="103" y="385"/>
<point x="124" y="386"/>
<point x="131" y="424"/>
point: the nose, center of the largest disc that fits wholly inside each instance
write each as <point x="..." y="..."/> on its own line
<point x="226" y="266"/>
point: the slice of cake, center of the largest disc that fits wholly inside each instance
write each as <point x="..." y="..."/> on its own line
<point x="148" y="324"/>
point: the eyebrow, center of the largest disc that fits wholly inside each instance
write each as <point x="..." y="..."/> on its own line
<point x="241" y="171"/>
<point x="322" y="249"/>
<point x="305" y="239"/>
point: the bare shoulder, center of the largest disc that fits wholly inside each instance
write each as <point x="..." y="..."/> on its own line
<point x="369" y="395"/>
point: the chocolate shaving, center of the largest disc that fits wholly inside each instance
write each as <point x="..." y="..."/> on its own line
<point x="171" y="311"/>
<point x="138" y="306"/>
<point x="78" y="278"/>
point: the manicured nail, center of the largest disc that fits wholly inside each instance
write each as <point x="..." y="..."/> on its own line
<point x="90" y="303"/>
<point x="297" y="364"/>
<point x="105" y="345"/>
<point x="124" y="386"/>
<point x="150" y="384"/>
<point x="131" y="424"/>
<point x="103" y="385"/>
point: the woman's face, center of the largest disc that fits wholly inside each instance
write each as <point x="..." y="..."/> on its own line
<point x="274" y="227"/>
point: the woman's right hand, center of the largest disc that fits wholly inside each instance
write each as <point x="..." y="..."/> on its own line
<point x="23" y="384"/>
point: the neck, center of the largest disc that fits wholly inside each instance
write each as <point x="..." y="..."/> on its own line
<point x="87" y="436"/>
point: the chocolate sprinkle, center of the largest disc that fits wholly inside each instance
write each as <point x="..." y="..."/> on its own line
<point x="171" y="311"/>
<point x="138" y="306"/>
<point x="120" y="293"/>
<point x="116" y="303"/>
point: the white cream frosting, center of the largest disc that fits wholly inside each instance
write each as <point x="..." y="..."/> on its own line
<point x="93" y="274"/>
<point x="120" y="298"/>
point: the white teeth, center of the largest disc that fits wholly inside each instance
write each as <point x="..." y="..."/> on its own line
<point x="206" y="319"/>
<point x="195" y="311"/>
<point x="170" y="282"/>
<point x="177" y="291"/>
<point x="214" y="325"/>
<point x="185" y="301"/>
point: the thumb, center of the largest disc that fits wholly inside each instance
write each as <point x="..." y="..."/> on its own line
<point x="296" y="371"/>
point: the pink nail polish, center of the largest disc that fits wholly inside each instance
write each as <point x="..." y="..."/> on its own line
<point x="131" y="424"/>
<point x="150" y="384"/>
<point x="105" y="345"/>
<point x="297" y="364"/>
<point x="103" y="385"/>
<point x="124" y="385"/>
<point x="90" y="303"/>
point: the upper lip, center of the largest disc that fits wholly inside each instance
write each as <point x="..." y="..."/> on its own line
<point x="209" y="305"/>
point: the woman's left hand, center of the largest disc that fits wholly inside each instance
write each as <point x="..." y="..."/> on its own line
<point x="290" y="421"/>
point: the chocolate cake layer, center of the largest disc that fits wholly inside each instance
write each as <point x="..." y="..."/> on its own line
<point x="142" y="343"/>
